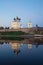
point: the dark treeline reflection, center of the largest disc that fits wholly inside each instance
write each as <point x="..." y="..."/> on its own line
<point x="12" y="38"/>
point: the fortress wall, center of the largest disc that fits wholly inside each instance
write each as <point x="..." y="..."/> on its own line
<point x="27" y="30"/>
<point x="9" y="30"/>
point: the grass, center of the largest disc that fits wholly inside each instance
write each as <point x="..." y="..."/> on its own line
<point x="13" y="33"/>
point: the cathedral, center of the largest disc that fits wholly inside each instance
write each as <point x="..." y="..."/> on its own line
<point x="16" y="24"/>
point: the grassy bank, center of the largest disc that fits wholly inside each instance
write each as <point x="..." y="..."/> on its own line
<point x="12" y="34"/>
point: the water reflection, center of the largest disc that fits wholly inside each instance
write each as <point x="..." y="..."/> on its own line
<point x="16" y="46"/>
<point x="17" y="52"/>
<point x="30" y="46"/>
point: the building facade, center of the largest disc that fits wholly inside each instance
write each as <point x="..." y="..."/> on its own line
<point x="29" y="24"/>
<point x="16" y="24"/>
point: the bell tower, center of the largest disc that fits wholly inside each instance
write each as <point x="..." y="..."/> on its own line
<point x="29" y="24"/>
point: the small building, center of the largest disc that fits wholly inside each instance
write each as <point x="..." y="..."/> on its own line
<point x="16" y="24"/>
<point x="29" y="24"/>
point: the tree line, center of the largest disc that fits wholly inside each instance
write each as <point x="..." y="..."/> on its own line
<point x="4" y="27"/>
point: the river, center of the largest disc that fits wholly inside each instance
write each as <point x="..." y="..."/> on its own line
<point x="21" y="52"/>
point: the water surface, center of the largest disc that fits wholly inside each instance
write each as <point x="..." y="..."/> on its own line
<point x="24" y="52"/>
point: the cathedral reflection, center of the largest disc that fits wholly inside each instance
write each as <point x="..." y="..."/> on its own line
<point x="30" y="46"/>
<point x="16" y="46"/>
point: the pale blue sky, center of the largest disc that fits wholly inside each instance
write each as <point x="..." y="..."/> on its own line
<point x="26" y="9"/>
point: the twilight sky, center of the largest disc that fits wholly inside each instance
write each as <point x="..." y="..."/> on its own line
<point x="27" y="10"/>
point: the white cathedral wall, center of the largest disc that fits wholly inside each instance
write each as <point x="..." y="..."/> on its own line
<point x="16" y="25"/>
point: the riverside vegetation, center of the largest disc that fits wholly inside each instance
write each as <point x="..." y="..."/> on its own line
<point x="12" y="35"/>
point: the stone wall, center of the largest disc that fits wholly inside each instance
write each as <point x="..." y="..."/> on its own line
<point x="27" y="30"/>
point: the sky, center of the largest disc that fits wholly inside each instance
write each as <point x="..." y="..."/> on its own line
<point x="27" y="10"/>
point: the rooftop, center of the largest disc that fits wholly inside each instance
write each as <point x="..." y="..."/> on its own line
<point x="17" y="18"/>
